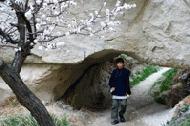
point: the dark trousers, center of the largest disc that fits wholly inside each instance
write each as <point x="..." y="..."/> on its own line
<point x="119" y="107"/>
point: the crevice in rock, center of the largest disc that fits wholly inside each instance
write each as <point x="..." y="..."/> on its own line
<point x="89" y="90"/>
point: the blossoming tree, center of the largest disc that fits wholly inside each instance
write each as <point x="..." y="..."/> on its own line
<point x="24" y="23"/>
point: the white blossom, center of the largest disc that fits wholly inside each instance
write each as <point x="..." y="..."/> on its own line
<point x="60" y="43"/>
<point x="20" y="2"/>
<point x="91" y="34"/>
<point x="35" y="40"/>
<point x="40" y="47"/>
<point x="38" y="26"/>
<point x="103" y="24"/>
<point x="107" y="15"/>
<point x="38" y="2"/>
<point x="49" y="45"/>
<point x="96" y="12"/>
<point x="105" y="4"/>
<point x="17" y="49"/>
<point x="134" y="5"/>
<point x="91" y="17"/>
<point x="89" y="28"/>
<point x="28" y="14"/>
<point x="55" y="15"/>
<point x="55" y="1"/>
<point x="46" y="32"/>
<point x="43" y="16"/>
<point x="73" y="3"/>
<point x="118" y="3"/>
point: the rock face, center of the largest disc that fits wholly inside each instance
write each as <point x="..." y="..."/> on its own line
<point x="81" y="85"/>
<point x="177" y="91"/>
<point x="181" y="113"/>
<point x="181" y="88"/>
<point x="156" y="31"/>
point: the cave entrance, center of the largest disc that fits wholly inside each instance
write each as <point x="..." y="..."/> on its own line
<point x="88" y="83"/>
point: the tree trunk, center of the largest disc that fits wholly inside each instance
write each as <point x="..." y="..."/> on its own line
<point x="24" y="95"/>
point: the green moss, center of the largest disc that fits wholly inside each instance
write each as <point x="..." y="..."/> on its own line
<point x="142" y="75"/>
<point x="29" y="121"/>
<point x="167" y="82"/>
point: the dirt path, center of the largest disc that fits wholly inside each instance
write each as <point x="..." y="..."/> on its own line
<point x="142" y="110"/>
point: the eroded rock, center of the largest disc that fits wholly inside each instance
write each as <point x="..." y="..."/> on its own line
<point x="156" y="31"/>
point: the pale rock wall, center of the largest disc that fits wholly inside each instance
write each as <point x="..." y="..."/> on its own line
<point x="156" y="31"/>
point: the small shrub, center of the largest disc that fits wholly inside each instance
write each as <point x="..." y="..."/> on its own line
<point x="29" y="121"/>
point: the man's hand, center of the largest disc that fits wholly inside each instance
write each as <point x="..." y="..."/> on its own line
<point x="128" y="95"/>
<point x="112" y="89"/>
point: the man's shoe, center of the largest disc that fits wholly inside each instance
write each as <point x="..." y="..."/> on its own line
<point x="122" y="119"/>
<point x="115" y="122"/>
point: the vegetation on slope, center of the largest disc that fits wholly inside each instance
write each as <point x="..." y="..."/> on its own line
<point x="161" y="87"/>
<point x="143" y="74"/>
<point x="29" y="121"/>
<point x="182" y="118"/>
<point x="167" y="82"/>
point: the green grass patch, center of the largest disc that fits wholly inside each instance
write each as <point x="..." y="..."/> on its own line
<point x="167" y="82"/>
<point x="186" y="122"/>
<point x="29" y="121"/>
<point x="143" y="74"/>
<point x="161" y="87"/>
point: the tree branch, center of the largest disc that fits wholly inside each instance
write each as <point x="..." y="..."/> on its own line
<point x="1" y="63"/>
<point x="23" y="52"/>
<point x="24" y="46"/>
<point x="7" y="37"/>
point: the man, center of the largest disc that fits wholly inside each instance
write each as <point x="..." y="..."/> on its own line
<point x="120" y="89"/>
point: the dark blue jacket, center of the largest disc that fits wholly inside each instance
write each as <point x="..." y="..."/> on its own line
<point x="120" y="80"/>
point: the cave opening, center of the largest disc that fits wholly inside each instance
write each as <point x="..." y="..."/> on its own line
<point x="90" y="88"/>
<point x="85" y="84"/>
<point x="88" y="83"/>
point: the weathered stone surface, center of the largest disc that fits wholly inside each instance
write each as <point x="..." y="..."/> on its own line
<point x="181" y="113"/>
<point x="87" y="82"/>
<point x="157" y="31"/>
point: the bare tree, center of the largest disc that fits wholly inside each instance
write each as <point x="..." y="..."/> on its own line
<point x="24" y="23"/>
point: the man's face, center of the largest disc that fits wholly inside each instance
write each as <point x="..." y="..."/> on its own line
<point x="120" y="65"/>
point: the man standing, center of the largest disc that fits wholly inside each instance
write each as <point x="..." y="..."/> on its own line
<point x="120" y="89"/>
